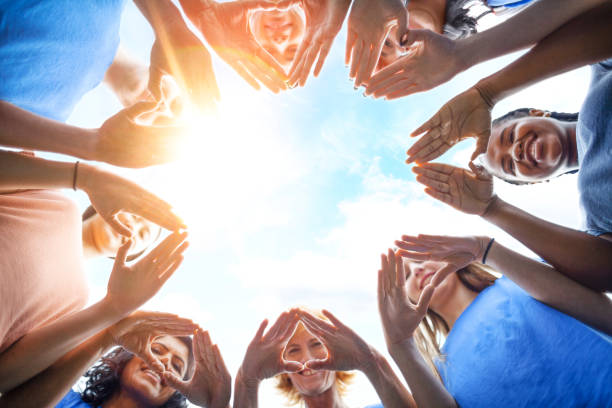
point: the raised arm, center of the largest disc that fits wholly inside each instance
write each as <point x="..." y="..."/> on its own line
<point x="127" y="77"/>
<point x="400" y="318"/>
<point x="576" y="254"/>
<point x="128" y="288"/>
<point x="50" y="386"/>
<point x="584" y="40"/>
<point x="438" y="59"/>
<point x="348" y="351"/>
<point x="264" y="359"/>
<point x="108" y="193"/>
<point x="540" y="280"/>
<point x="122" y="140"/>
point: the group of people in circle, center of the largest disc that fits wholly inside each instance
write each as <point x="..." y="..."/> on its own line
<point x="459" y="334"/>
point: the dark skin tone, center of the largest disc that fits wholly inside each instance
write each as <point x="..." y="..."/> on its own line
<point x="532" y="149"/>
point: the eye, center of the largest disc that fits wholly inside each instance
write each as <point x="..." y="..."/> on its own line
<point x="512" y="134"/>
<point x="177" y="367"/>
<point x="511" y="167"/>
<point x="156" y="349"/>
<point x="388" y="43"/>
<point x="292" y="350"/>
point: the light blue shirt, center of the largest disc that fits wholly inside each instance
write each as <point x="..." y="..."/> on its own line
<point x="509" y="350"/>
<point x="594" y="145"/>
<point x="54" y="51"/>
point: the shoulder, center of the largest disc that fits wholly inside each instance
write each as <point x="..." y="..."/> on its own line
<point x="72" y="400"/>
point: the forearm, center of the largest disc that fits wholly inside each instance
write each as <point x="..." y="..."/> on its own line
<point x="162" y="15"/>
<point x="245" y="392"/>
<point x="22" y="129"/>
<point x="547" y="285"/>
<point x="427" y="389"/>
<point x="389" y="388"/>
<point x="51" y="385"/>
<point x="20" y="171"/>
<point x="582" y="257"/>
<point x="522" y="30"/>
<point x="584" y="40"/>
<point x="41" y="347"/>
<point x="127" y="77"/>
<point x="427" y="14"/>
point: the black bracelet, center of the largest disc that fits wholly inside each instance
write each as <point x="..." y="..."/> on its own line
<point x="74" y="176"/>
<point x="486" y="252"/>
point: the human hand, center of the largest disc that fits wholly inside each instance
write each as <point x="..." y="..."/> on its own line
<point x="324" y="20"/>
<point x="124" y="141"/>
<point x="369" y="24"/>
<point x="136" y="332"/>
<point x="211" y="384"/>
<point x="345" y="349"/>
<point x="456" y="252"/>
<point x="400" y="317"/>
<point x="179" y="53"/>
<point x="264" y="356"/>
<point x="130" y="286"/>
<point x="468" y="191"/>
<point x="110" y="194"/>
<point x="429" y="63"/>
<point x="225" y="26"/>
<point x="466" y="115"/>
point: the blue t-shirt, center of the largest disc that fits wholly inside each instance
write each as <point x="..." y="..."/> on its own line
<point x="594" y="145"/>
<point x="72" y="400"/>
<point x="509" y="350"/>
<point x="54" y="51"/>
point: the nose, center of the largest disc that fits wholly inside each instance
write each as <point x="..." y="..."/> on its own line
<point x="418" y="271"/>
<point x="165" y="360"/>
<point x="517" y="150"/>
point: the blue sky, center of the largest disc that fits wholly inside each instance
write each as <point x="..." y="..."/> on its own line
<point x="291" y="198"/>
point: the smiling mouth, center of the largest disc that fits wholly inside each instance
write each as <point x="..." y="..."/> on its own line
<point x="529" y="151"/>
<point x="153" y="375"/>
<point x="307" y="372"/>
<point x="425" y="278"/>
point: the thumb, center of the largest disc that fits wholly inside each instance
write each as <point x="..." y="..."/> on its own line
<point x="402" y="27"/>
<point x="319" y="364"/>
<point x="292" y="366"/>
<point x="175" y="382"/>
<point x="121" y="256"/>
<point x="481" y="147"/>
<point x="119" y="227"/>
<point x="152" y="361"/>
<point x="479" y="171"/>
<point x="411" y="36"/>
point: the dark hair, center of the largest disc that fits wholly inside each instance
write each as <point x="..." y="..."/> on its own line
<point x="459" y="19"/>
<point x="525" y="113"/>
<point x="103" y="379"/>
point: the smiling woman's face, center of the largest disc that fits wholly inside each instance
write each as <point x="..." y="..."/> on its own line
<point x="419" y="274"/>
<point x="279" y="32"/>
<point x="528" y="149"/>
<point x="144" y="384"/>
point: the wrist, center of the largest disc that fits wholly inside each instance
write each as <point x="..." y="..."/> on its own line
<point x="369" y="361"/>
<point x="113" y="310"/>
<point x="248" y="381"/>
<point x="487" y="92"/>
<point x="465" y="55"/>
<point x="492" y="206"/>
<point x="85" y="174"/>
<point x="400" y="347"/>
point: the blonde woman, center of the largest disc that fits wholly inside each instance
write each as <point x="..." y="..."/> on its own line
<point x="492" y="342"/>
<point x="310" y="356"/>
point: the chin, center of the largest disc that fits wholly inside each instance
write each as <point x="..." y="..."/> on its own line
<point x="311" y="383"/>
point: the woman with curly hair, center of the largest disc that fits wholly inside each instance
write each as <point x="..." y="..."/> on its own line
<point x="310" y="356"/>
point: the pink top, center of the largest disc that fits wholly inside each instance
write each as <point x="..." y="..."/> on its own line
<point x="41" y="261"/>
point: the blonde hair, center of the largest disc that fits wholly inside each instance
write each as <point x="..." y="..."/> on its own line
<point x="285" y="386"/>
<point x="432" y="331"/>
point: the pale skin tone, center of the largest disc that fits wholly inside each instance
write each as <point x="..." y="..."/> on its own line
<point x="311" y="355"/>
<point x="540" y="280"/>
<point x="440" y="58"/>
<point x="128" y="288"/>
<point x="145" y="333"/>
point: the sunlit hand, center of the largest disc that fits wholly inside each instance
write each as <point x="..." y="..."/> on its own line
<point x="466" y="115"/>
<point x="456" y="252"/>
<point x="369" y="24"/>
<point x="470" y="192"/>
<point x="130" y="286"/>
<point x="345" y="349"/>
<point x="179" y="53"/>
<point x="211" y="384"/>
<point x="136" y="332"/>
<point x="110" y="194"/>
<point x="226" y="28"/>
<point x="324" y="20"/>
<point x="400" y="317"/>
<point x="124" y="141"/>
<point x="264" y="356"/>
<point x="430" y="62"/>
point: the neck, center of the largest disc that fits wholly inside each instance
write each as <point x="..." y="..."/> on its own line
<point x="328" y="399"/>
<point x="456" y="304"/>
<point x="572" y="153"/>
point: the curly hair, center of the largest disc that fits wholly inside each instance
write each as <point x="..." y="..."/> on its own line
<point x="103" y="378"/>
<point x="286" y="388"/>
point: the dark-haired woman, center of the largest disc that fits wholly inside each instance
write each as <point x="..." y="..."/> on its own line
<point x="502" y="344"/>
<point x="535" y="147"/>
